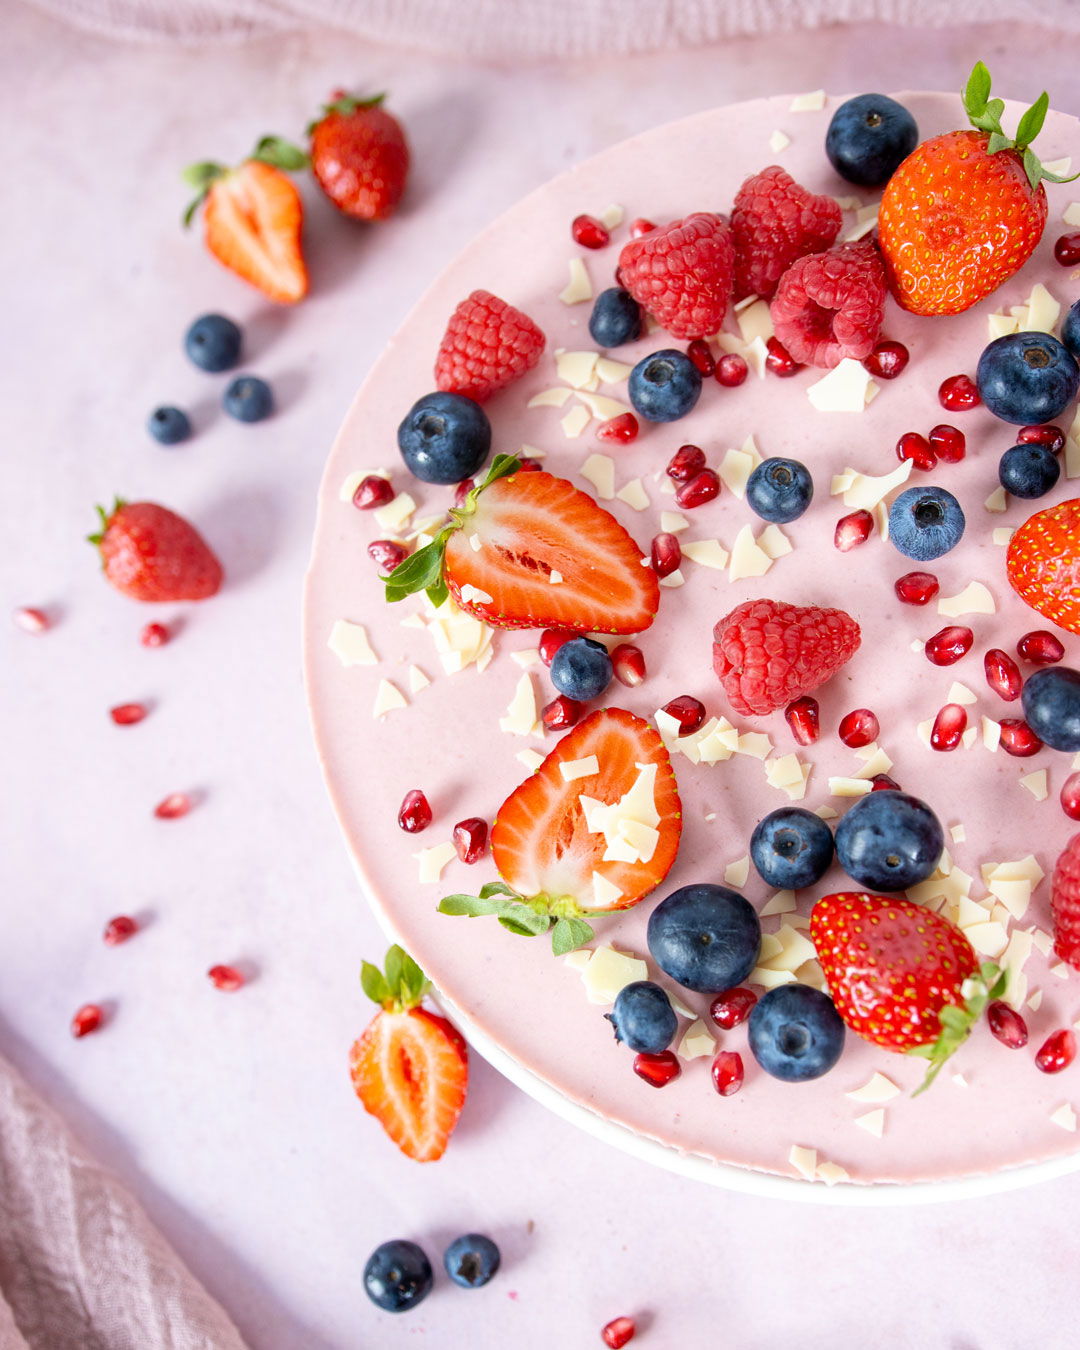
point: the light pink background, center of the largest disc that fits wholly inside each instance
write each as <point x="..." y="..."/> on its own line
<point x="231" y="1116"/>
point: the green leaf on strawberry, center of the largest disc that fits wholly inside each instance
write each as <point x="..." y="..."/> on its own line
<point x="985" y="113"/>
<point x="957" y="1022"/>
<point x="399" y="986"/>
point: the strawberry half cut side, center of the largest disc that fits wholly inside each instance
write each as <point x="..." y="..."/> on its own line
<point x="595" y="841"/>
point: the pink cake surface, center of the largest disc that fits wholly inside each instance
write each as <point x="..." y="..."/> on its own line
<point x="448" y="741"/>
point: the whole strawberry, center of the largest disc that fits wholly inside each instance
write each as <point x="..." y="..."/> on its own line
<point x="1043" y="563"/>
<point x="359" y="156"/>
<point x="965" y="210"/>
<point x="1065" y="902"/>
<point x="682" y="274"/>
<point x="775" y="221"/>
<point x="150" y="553"/>
<point x="488" y="344"/>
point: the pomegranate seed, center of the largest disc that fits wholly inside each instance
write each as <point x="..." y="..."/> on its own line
<point x="946" y="647"/>
<point x="561" y="713"/>
<point x="916" y="448"/>
<point x="859" y="728"/>
<point x="1070" y="796"/>
<point x="127" y="714"/>
<point x="1018" y="739"/>
<point x="470" y="839"/>
<point x="1002" y="674"/>
<point x="1040" y="647"/>
<point x="731" y="1008"/>
<point x="551" y="639"/>
<point x="887" y="360"/>
<point x="641" y="226"/>
<point x="959" y="393"/>
<point x="1050" y="436"/>
<point x="948" y="443"/>
<point x="415" y="812"/>
<point x="916" y="588"/>
<point x="853" y="530"/>
<point x="87" y="1019"/>
<point x="387" y="554"/>
<point x="802" y="717"/>
<point x="688" y="711"/>
<point x="1006" y="1025"/>
<point x="701" y="357"/>
<point x="665" y="554"/>
<point x="30" y="620"/>
<point x="881" y="782"/>
<point x="154" y="635"/>
<point x="618" y="1333"/>
<point x="686" y="463"/>
<point x="373" y="491"/>
<point x="657" y="1070"/>
<point x="727" y="1072"/>
<point x="463" y="489"/>
<point x="119" y="930"/>
<point x="1067" y="249"/>
<point x="526" y="464"/>
<point x="172" y="807"/>
<point x="1058" y="1051"/>
<point x="731" y="370"/>
<point x="226" y="978"/>
<point x="949" y="726"/>
<point x="590" y="232"/>
<point x="702" y="488"/>
<point x="628" y="664"/>
<point x="621" y="430"/>
<point x="779" y="360"/>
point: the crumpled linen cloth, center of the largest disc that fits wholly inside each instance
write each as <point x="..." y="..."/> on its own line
<point x="535" y="29"/>
<point x="81" y="1265"/>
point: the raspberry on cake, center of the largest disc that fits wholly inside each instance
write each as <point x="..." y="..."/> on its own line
<point x="488" y="344"/>
<point x="774" y="222"/>
<point x="831" y="305"/>
<point x="682" y="274"/>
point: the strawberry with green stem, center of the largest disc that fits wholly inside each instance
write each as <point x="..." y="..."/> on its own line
<point x="150" y="553"/>
<point x="359" y="156"/>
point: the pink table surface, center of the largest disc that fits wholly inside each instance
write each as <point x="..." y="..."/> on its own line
<point x="231" y="1116"/>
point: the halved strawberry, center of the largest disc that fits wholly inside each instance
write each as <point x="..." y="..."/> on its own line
<point x="1043" y="563"/>
<point x="527" y="550"/>
<point x="556" y="869"/>
<point x="410" y="1068"/>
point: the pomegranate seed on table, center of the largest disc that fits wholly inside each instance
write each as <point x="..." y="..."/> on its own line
<point x="561" y="713"/>
<point x="948" y="443"/>
<point x="620" y="430"/>
<point x="1040" y="647"/>
<point x="88" y="1018"/>
<point x="1002" y="674"/>
<point x="1006" y="1025"/>
<point x="387" y="553"/>
<point x="154" y="635"/>
<point x="657" y="1070"/>
<point x="948" y="645"/>
<point x="726" y="1072"/>
<point x="462" y="490"/>
<point x="949" y="727"/>
<point x="470" y="839"/>
<point x="959" y="393"/>
<point x="119" y="930"/>
<point x="127" y="714"/>
<point x="779" y="360"/>
<point x="641" y="226"/>
<point x="731" y="370"/>
<point x="415" y="812"/>
<point x="226" y="978"/>
<point x="702" y="488"/>
<point x="1018" y="739"/>
<point x="551" y="639"/>
<point x="858" y="728"/>
<point x="803" y="718"/>
<point x="688" y="711"/>
<point x="30" y="620"/>
<point x="1050" y="436"/>
<point x="887" y="360"/>
<point x="1057" y="1052"/>
<point x="373" y="491"/>
<point x="628" y="664"/>
<point x="1070" y="796"/>
<point x="686" y="463"/>
<point x="665" y="554"/>
<point x="881" y="782"/>
<point x="731" y="1008"/>
<point x="701" y="357"/>
<point x="1067" y="249"/>
<point x="916" y="588"/>
<point x="916" y="448"/>
<point x="853" y="530"/>
<point x="175" y="805"/>
<point x="618" y="1333"/>
<point x="590" y="232"/>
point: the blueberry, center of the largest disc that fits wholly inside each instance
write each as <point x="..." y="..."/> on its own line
<point x="1051" y="699"/>
<point x="615" y="319"/>
<point x="889" y="841"/>
<point x="581" y="669"/>
<point x="471" y="1260"/>
<point x="780" y="490"/>
<point x="925" y="522"/>
<point x="1070" y="329"/>
<point x="213" y="342"/>
<point x="643" y="1017"/>
<point x="170" y="426"/>
<point x="1027" y="378"/>
<point x="791" y="847"/>
<point x="1029" y="470"/>
<point x="248" y="399"/>
<point x="664" y="386"/>
<point x="444" y="438"/>
<point x="795" y="1033"/>
<point x="398" y="1276"/>
<point x="869" y="137"/>
<point x="706" y="937"/>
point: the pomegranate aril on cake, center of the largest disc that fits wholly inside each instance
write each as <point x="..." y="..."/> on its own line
<point x="947" y="443"/>
<point x="628" y="664"/>
<point x="699" y="353"/>
<point x="387" y="553"/>
<point x="696" y="491"/>
<point x="414" y="813"/>
<point x="1050" y="436"/>
<point x="853" y="530"/>
<point x="949" y="645"/>
<point x="887" y="360"/>
<point x="470" y="839"/>
<point x="589" y="232"/>
<point x="916" y="588"/>
<point x="1070" y="796"/>
<point x="1057" y="1052"/>
<point x="373" y="491"/>
<point x="803" y="716"/>
<point x="561" y="713"/>
<point x="688" y="711"/>
<point x="959" y="393"/>
<point x="858" y="728"/>
<point x="1002" y="674"/>
<point x="778" y="360"/>
<point x="1018" y="739"/>
<point x="727" y="1072"/>
<point x="916" y="448"/>
<point x="665" y="554"/>
<point x="949" y="727"/>
<point x="731" y="370"/>
<point x="657" y="1070"/>
<point x="686" y="463"/>
<point x="732" y="1008"/>
<point x="620" y="430"/>
<point x="1006" y="1025"/>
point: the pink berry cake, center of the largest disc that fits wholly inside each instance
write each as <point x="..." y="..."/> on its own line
<point x="742" y="820"/>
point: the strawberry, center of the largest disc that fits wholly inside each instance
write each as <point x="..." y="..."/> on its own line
<point x="359" y="156"/>
<point x="514" y="532"/>
<point x="900" y="975"/>
<point x="682" y="274"/>
<point x="409" y="1068"/>
<point x="1043" y="563"/>
<point x="488" y="344"/>
<point x="150" y="553"/>
<point x="252" y="217"/>
<point x="1065" y="903"/>
<point x="555" y="868"/>
<point x="965" y="210"/>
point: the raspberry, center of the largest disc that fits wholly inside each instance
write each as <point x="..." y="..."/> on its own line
<point x="831" y="305"/>
<point x="488" y="344"/>
<point x="1065" y="902"/>
<point x="775" y="221"/>
<point x="682" y="274"/>
<point x="766" y="653"/>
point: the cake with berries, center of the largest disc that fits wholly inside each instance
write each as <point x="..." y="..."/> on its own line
<point x="691" y="632"/>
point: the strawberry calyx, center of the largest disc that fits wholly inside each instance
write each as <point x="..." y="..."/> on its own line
<point x="526" y="917"/>
<point x="984" y="113"/>
<point x="957" y="1020"/>
<point x="424" y="569"/>
<point x="399" y="986"/>
<point x="272" y="150"/>
<point x="345" y="105"/>
<point x="105" y="517"/>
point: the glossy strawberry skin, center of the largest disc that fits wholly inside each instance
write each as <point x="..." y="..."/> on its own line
<point x="1043" y="563"/>
<point x="360" y="159"/>
<point x="150" y="553"/>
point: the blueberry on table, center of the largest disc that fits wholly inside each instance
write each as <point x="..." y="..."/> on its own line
<point x="795" y="1033"/>
<point x="705" y="937"/>
<point x="664" y="386"/>
<point x="643" y="1017"/>
<point x="213" y="343"/>
<point x="444" y="438"/>
<point x="889" y="841"/>
<point x="925" y="523"/>
<point x="1027" y="378"/>
<point x="471" y="1260"/>
<point x="791" y="847"/>
<point x="169" y="426"/>
<point x="581" y="669"/>
<point x="1051" y="701"/>
<point x="398" y="1276"/>
<point x="248" y="399"/>
<point x="868" y="139"/>
<point x="780" y="490"/>
<point x="1028" y="470"/>
<point x="615" y="318"/>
